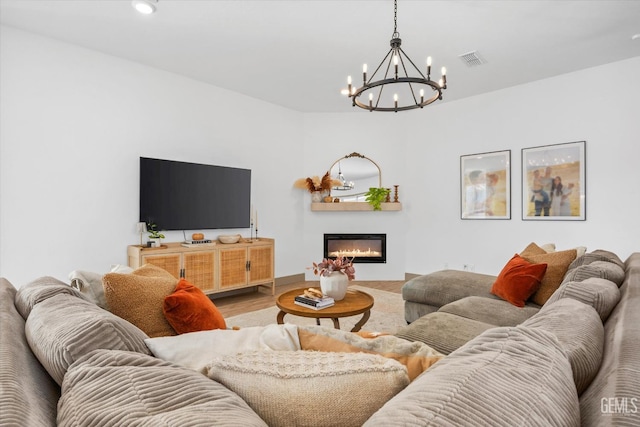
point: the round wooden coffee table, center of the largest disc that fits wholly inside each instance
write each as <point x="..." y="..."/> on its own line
<point x="354" y="303"/>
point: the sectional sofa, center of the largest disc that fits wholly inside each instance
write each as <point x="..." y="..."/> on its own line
<point x="67" y="361"/>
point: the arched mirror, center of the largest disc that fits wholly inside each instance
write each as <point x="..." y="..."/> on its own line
<point x="357" y="173"/>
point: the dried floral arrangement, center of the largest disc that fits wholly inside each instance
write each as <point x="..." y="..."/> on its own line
<point x="315" y="183"/>
<point x="341" y="264"/>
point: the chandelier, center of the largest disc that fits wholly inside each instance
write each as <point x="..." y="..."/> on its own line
<point x="344" y="184"/>
<point x="397" y="65"/>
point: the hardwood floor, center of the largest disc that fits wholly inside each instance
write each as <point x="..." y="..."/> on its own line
<point x="261" y="298"/>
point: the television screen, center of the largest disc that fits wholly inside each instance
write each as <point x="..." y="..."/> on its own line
<point x="190" y="196"/>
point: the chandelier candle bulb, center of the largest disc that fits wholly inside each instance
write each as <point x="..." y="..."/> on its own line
<point x="428" y="68"/>
<point x="421" y="96"/>
<point x="370" y="102"/>
<point x="364" y="74"/>
<point x="349" y="84"/>
<point x="395" y="65"/>
<point x="395" y="101"/>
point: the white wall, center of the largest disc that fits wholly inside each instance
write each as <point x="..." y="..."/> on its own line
<point x="74" y="123"/>
<point x="420" y="150"/>
<point x="331" y="136"/>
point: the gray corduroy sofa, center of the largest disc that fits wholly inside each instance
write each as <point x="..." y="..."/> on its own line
<point x="66" y="361"/>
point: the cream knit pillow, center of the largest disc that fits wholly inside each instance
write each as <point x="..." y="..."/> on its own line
<point x="311" y="388"/>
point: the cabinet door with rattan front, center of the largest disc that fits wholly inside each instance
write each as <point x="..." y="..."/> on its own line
<point x="260" y="264"/>
<point x="233" y="268"/>
<point x="199" y="269"/>
<point x="169" y="262"/>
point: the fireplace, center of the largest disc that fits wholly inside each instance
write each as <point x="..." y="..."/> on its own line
<point x="363" y="248"/>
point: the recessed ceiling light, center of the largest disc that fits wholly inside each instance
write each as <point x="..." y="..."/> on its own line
<point x="635" y="36"/>
<point x="146" y="7"/>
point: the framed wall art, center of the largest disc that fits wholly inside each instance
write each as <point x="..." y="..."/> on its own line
<point x="485" y="185"/>
<point x="553" y="182"/>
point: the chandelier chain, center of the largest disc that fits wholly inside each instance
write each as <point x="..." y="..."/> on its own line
<point x="395" y="19"/>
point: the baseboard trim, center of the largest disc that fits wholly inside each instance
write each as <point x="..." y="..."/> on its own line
<point x="287" y="280"/>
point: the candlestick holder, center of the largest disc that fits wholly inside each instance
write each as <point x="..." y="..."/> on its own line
<point x="395" y="194"/>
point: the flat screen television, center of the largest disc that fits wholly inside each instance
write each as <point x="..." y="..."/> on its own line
<point x="191" y="196"/>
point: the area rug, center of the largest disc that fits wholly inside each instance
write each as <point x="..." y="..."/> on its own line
<point x="387" y="315"/>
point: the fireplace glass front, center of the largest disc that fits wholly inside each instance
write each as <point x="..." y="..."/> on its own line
<point x="363" y="248"/>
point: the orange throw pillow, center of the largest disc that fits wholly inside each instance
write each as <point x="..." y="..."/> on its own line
<point x="188" y="309"/>
<point x="518" y="280"/>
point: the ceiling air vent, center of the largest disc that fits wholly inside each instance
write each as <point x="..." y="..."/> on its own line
<point x="472" y="59"/>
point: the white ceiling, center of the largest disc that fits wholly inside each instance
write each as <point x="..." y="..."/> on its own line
<point x="297" y="54"/>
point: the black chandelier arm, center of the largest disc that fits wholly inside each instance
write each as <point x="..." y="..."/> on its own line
<point x="414" y="65"/>
<point x="406" y="74"/>
<point x="380" y="66"/>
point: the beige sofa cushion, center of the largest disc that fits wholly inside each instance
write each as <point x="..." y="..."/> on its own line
<point x="39" y="290"/>
<point x="139" y="297"/>
<point x="28" y="395"/>
<point x="580" y="333"/>
<point x="584" y="272"/>
<point x="119" y="388"/>
<point x="491" y="311"/>
<point x="601" y="294"/>
<point x="442" y="331"/>
<point x="506" y="377"/>
<point x="311" y="388"/>
<point x="63" y="328"/>
<point x="597" y="255"/>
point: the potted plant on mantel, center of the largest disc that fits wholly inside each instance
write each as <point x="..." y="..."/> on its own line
<point x="375" y="196"/>
<point x="335" y="275"/>
<point x="155" y="236"/>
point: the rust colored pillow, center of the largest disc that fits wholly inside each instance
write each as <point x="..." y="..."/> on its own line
<point x="188" y="309"/>
<point x="557" y="265"/>
<point x="518" y="280"/>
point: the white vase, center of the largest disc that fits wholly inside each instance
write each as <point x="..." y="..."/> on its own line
<point x="334" y="285"/>
<point x="316" y="196"/>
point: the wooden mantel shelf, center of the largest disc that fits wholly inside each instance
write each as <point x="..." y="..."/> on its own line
<point x="353" y="207"/>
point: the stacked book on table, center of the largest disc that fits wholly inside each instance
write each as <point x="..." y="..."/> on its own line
<point x="314" y="300"/>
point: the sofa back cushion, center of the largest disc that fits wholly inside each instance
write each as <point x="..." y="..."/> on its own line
<point x="583" y="272"/>
<point x="505" y="377"/>
<point x="580" y="333"/>
<point x="63" y="328"/>
<point x="28" y="395"/>
<point x="618" y="380"/>
<point x="39" y="290"/>
<point x="119" y="388"/>
<point x="597" y="255"/>
<point x="601" y="294"/>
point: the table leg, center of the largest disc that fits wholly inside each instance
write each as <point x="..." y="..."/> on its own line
<point x="362" y="321"/>
<point x="336" y="322"/>
<point x="280" y="318"/>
